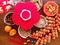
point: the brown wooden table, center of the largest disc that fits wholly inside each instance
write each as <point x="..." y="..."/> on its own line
<point x="3" y="34"/>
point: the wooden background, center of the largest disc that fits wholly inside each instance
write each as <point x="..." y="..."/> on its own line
<point x="3" y="34"/>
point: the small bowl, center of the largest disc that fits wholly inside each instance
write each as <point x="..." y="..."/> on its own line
<point x="42" y="22"/>
<point x="7" y="20"/>
<point x="22" y="34"/>
<point x="38" y="3"/>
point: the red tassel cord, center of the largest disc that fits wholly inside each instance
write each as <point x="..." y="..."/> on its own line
<point x="20" y="38"/>
<point x="15" y="41"/>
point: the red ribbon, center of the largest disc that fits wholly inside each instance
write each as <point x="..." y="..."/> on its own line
<point x="20" y="38"/>
<point x="16" y="41"/>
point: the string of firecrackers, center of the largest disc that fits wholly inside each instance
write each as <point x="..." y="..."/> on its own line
<point x="44" y="35"/>
<point x="5" y="6"/>
<point x="58" y="22"/>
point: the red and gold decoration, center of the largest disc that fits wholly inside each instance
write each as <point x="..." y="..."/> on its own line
<point x="5" y="6"/>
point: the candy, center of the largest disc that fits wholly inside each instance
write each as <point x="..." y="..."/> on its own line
<point x="8" y="28"/>
<point x="12" y="32"/>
